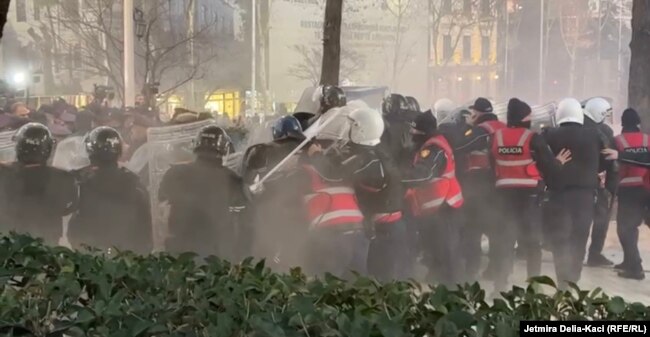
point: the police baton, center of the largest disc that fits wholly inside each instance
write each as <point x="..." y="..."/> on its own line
<point x="310" y="135"/>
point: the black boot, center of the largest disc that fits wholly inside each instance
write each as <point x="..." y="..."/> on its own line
<point x="621" y="266"/>
<point x="633" y="275"/>
<point x="598" y="261"/>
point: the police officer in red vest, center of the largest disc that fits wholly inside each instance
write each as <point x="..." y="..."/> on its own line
<point x="435" y="199"/>
<point x="378" y="186"/>
<point x="633" y="195"/>
<point x="477" y="180"/>
<point x="337" y="242"/>
<point x="521" y="160"/>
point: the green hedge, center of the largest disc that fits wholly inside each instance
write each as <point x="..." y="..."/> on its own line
<point x="51" y="291"/>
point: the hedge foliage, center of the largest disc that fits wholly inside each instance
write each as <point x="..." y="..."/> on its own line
<point x="54" y="291"/>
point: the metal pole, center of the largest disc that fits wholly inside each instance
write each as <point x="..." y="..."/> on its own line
<point x="600" y="29"/>
<point x="191" y="37"/>
<point x="619" y="65"/>
<point x="506" y="73"/>
<point x="254" y="57"/>
<point x="129" y="55"/>
<point x="429" y="52"/>
<point x="541" y="53"/>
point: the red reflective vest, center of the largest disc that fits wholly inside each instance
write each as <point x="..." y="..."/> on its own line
<point x="480" y="160"/>
<point x="630" y="175"/>
<point x="427" y="199"/>
<point x="330" y="205"/>
<point x="514" y="164"/>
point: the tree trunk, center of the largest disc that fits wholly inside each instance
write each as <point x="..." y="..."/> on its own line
<point x="4" y="9"/>
<point x="639" y="85"/>
<point x="332" y="43"/>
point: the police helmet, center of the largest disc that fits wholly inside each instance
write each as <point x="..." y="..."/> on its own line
<point x="332" y="97"/>
<point x="287" y="127"/>
<point x="413" y="104"/>
<point x="394" y="104"/>
<point x="212" y="141"/>
<point x="34" y="144"/>
<point x="597" y="109"/>
<point x="104" y="146"/>
<point x="570" y="111"/>
<point x="366" y="126"/>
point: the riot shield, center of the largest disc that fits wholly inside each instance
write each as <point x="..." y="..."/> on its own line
<point x="372" y="96"/>
<point x="70" y="154"/>
<point x="543" y="116"/>
<point x="256" y="133"/>
<point x="7" y="147"/>
<point x="167" y="145"/>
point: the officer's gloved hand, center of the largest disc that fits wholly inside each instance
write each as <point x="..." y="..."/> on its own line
<point x="256" y="189"/>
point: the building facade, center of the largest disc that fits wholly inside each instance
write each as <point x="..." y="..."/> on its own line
<point x="465" y="60"/>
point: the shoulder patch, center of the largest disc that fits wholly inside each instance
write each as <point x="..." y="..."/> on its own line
<point x="468" y="132"/>
<point x="425" y="153"/>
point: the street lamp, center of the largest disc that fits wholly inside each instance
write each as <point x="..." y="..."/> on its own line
<point x="19" y="79"/>
<point x="140" y="24"/>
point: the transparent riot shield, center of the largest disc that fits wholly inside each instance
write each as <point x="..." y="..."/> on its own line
<point x="255" y="133"/>
<point x="544" y="116"/>
<point x="166" y="146"/>
<point x="7" y="147"/>
<point x="70" y="154"/>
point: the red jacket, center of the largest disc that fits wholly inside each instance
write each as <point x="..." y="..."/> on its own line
<point x="330" y="205"/>
<point x="427" y="199"/>
<point x="479" y="160"/>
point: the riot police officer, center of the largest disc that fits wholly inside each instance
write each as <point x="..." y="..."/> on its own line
<point x="435" y="199"/>
<point x="35" y="196"/>
<point x="336" y="240"/>
<point x="477" y="180"/>
<point x="633" y="195"/>
<point x="596" y="111"/>
<point x="572" y="194"/>
<point x="203" y="198"/>
<point x="276" y="235"/>
<point x="378" y="187"/>
<point x="522" y="160"/>
<point x="114" y="207"/>
<point x="396" y="137"/>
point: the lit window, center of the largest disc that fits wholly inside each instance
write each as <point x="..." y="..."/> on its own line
<point x="485" y="48"/>
<point x="467" y="48"/>
<point x="447" y="52"/>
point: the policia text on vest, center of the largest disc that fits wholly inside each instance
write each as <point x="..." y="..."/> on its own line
<point x="583" y="328"/>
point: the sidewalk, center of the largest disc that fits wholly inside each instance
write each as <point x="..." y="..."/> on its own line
<point x="605" y="278"/>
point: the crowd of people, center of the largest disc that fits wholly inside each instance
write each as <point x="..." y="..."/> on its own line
<point x="402" y="187"/>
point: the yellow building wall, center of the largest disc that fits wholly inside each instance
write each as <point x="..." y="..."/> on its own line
<point x="476" y="37"/>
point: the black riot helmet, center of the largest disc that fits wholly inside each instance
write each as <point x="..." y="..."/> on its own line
<point x="413" y="104"/>
<point x="104" y="146"/>
<point x="212" y="142"/>
<point x="34" y="144"/>
<point x="332" y="97"/>
<point x="287" y="127"/>
<point x="394" y="105"/>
